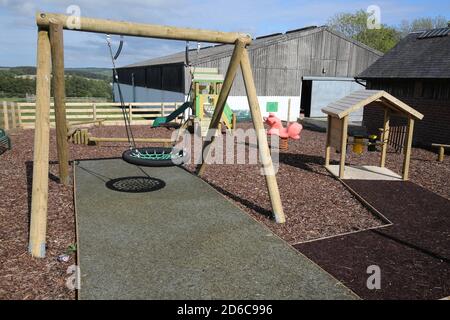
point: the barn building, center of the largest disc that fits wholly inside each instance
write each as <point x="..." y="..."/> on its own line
<point x="311" y="67"/>
<point x="416" y="71"/>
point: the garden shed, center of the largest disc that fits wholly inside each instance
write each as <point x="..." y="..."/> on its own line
<point x="338" y="114"/>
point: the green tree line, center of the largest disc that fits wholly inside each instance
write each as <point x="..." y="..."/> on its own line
<point x="14" y="85"/>
<point x="354" y="25"/>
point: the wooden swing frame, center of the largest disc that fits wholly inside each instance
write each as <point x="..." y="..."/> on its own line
<point x="50" y="56"/>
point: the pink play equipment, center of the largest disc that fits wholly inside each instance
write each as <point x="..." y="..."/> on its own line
<point x="276" y="128"/>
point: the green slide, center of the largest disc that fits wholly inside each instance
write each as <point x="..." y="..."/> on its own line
<point x="161" y="120"/>
<point x="228" y="113"/>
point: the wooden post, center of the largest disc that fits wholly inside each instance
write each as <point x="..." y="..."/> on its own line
<point x="263" y="146"/>
<point x="328" y="143"/>
<point x="441" y="154"/>
<point x="38" y="223"/>
<point x="57" y="53"/>
<point x="163" y="111"/>
<point x="233" y="121"/>
<point x="385" y="137"/>
<point x="13" y="115"/>
<point x="218" y="110"/>
<point x="408" y="145"/>
<point x="130" y="113"/>
<point x="289" y="112"/>
<point x="113" y="139"/>
<point x="5" y="116"/>
<point x="343" y="147"/>
<point x="19" y="115"/>
<point x="94" y="111"/>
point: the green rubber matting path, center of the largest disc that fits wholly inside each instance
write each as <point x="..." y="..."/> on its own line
<point x="163" y="233"/>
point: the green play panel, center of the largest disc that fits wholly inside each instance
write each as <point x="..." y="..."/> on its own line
<point x="163" y="233"/>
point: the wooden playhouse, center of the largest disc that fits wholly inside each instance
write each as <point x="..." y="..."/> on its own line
<point x="337" y="132"/>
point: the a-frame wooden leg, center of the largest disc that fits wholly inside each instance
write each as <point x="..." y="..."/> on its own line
<point x="38" y="223"/>
<point x="385" y="137"/>
<point x="223" y="96"/>
<point x="263" y="146"/>
<point x="408" y="147"/>
<point x="328" y="143"/>
<point x="344" y="137"/>
<point x="57" y="50"/>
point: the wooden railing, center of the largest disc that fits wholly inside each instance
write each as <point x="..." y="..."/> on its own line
<point x="22" y="115"/>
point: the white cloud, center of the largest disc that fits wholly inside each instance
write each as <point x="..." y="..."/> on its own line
<point x="23" y="7"/>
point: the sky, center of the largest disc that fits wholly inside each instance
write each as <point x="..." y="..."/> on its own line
<point x="18" y="27"/>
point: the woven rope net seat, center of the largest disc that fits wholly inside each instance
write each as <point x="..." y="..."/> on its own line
<point x="155" y="157"/>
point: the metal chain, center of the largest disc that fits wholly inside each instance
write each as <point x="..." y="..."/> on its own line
<point x="126" y="118"/>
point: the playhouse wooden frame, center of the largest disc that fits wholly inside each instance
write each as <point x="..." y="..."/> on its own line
<point x="338" y="118"/>
<point x="50" y="56"/>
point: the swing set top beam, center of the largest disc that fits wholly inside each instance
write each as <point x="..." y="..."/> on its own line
<point x="139" y="30"/>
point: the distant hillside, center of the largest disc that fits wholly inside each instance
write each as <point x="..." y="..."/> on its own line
<point x="90" y="73"/>
<point x="20" y="82"/>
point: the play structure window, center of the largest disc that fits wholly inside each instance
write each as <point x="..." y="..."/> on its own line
<point x="205" y="88"/>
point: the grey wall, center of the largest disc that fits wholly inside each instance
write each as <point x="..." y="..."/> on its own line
<point x="328" y="90"/>
<point x="278" y="67"/>
<point x="142" y="94"/>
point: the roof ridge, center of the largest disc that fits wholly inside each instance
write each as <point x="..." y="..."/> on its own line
<point x="356" y="42"/>
<point x="264" y="37"/>
<point x="413" y="58"/>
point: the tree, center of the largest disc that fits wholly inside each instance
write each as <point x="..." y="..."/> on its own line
<point x="349" y="24"/>
<point x="383" y="39"/>
<point x="14" y="85"/>
<point x="420" y="24"/>
<point x="354" y="25"/>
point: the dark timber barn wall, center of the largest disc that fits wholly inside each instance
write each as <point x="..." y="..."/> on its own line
<point x="279" y="62"/>
<point x="416" y="71"/>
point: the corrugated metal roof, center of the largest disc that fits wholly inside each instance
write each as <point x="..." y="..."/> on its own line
<point x="418" y="56"/>
<point x="218" y="50"/>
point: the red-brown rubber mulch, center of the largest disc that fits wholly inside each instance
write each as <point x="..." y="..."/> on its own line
<point x="413" y="253"/>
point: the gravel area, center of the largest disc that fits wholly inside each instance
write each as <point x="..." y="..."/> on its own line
<point x="316" y="205"/>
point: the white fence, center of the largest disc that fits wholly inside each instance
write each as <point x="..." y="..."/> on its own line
<point x="22" y="115"/>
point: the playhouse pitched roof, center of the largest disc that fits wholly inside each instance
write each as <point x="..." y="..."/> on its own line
<point x="360" y="99"/>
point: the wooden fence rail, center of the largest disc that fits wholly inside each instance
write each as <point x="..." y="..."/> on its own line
<point x="22" y="115"/>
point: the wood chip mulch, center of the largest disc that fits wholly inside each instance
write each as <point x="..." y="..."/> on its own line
<point x="316" y="205"/>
